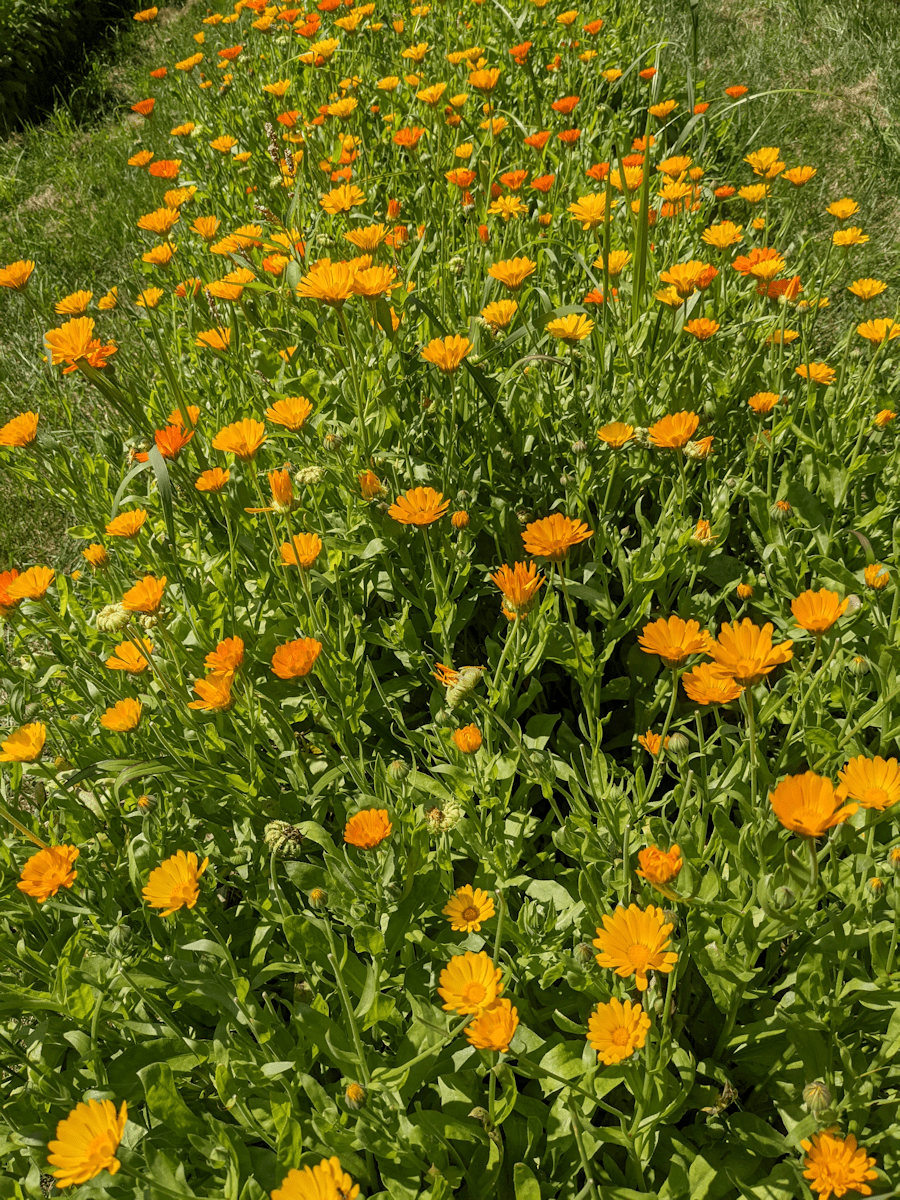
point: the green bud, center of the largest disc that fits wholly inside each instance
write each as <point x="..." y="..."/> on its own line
<point x="318" y="898"/>
<point x="859" y="666"/>
<point x="816" y="1096"/>
<point x="355" y="1097"/>
<point x="397" y="771"/>
<point x="679" y="747"/>
<point x="783" y="898"/>
<point x="283" y="840"/>
<point x="584" y="954"/>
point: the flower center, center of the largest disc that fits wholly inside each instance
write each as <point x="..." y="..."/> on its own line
<point x="182" y="894"/>
<point x="473" y="993"/>
<point x="639" y="956"/>
<point x="875" y="797"/>
<point x="620" y="1036"/>
<point x="100" y="1151"/>
<point x="470" y="914"/>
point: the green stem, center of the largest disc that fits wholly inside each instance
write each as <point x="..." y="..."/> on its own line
<point x="585" y="1161"/>
<point x="334" y="959"/>
<point x="657" y="762"/>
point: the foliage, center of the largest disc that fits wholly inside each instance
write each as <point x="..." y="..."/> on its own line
<point x="288" y="1008"/>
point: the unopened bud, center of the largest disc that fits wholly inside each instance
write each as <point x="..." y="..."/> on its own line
<point x="854" y="604"/>
<point x="579" y="447"/>
<point x="783" y="898"/>
<point x="283" y="840"/>
<point x="893" y="861"/>
<point x="584" y="953"/>
<point x="678" y="746"/>
<point x="397" y="771"/>
<point x="816" y="1096"/>
<point x="112" y="618"/>
<point x="332" y="441"/>
<point x="308" y="475"/>
<point x="318" y="898"/>
<point x="355" y="1097"/>
<point x="781" y="510"/>
<point x="118" y="940"/>
<point x="744" y="591"/>
<point x="874" y="888"/>
<point x="460" y="519"/>
<point x="859" y="666"/>
<point x="523" y="515"/>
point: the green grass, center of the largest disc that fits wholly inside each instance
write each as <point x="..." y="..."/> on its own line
<point x="67" y="201"/>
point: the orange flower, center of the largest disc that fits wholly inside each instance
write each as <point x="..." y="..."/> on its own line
<point x="227" y="657"/>
<point x="745" y="652"/>
<point x="419" y="506"/>
<point x="127" y="657"/>
<point x="763" y="402"/>
<point x="20" y="431"/>
<point x="46" y="872"/>
<point x="874" y="782"/>
<point x="146" y="596"/>
<point x="817" y="372"/>
<point x="371" y="486"/>
<point x="816" y="612"/>
<point x="16" y="275"/>
<point x="31" y="584"/>
<point x="808" y="804"/>
<point x="652" y="742"/>
<point x="447" y="353"/>
<point x="123" y="717"/>
<point x="674" y="639"/>
<point x="467" y="739"/>
<point x="659" y="866"/>
<point x="174" y="884"/>
<point x="633" y="942"/>
<point x="302" y="552"/>
<point x="554" y="536"/>
<point x="674" y="432"/>
<point x="214" y="692"/>
<point x="213" y="480"/>
<point x="172" y="440"/>
<point x="368" y="828"/>
<point x="701" y="328"/>
<point x="25" y="744"/>
<point x="127" y="524"/>
<point x="214" y="339"/>
<point x="709" y="684"/>
<point x="512" y="272"/>
<point x="876" y="576"/>
<point x="520" y="585"/>
<point x="242" y="438"/>
<point x="296" y="659"/>
<point x="616" y="435"/>
<point x="74" y="341"/>
<point x="97" y="556"/>
<point x="332" y="283"/>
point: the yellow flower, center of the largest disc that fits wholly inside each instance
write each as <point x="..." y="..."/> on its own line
<point x="20" y="431"/>
<point x="447" y="353"/>
<point x="872" y="331"/>
<point x="470" y="983"/>
<point x="867" y="289"/>
<point x="214" y="692"/>
<point x="674" y="432"/>
<point x="573" y="328"/>
<point x="616" y="1030"/>
<point x="74" y="305"/>
<point x="520" y="585"/>
<point x="702" y="328"/>
<point x="591" y="210"/>
<point x="763" y="402"/>
<point x="554" y="536"/>
<point x="86" y="1142"/>
<point x="507" y="207"/>
<point x="816" y="612"/>
<point x="342" y="199"/>
<point x="332" y="283"/>
<point x="213" y="480"/>
<point x="123" y="717"/>
<point x="674" y="639"/>
<point x="325" y="1181"/>
<point x="722" y="234"/>
<point x="809" y="804"/>
<point x="512" y="272"/>
<point x="97" y="556"/>
<point x="616" y="435"/>
<point x="32" y="584"/>
<point x="146" y="596"/>
<point x="47" y="871"/>
<point x="798" y="176"/>
<point x="367" y="828"/>
<point x="745" y="652"/>
<point x="765" y="162"/>
<point x="494" y="1028"/>
<point x="499" y="314"/>
<point x="419" y="506"/>
<point x="303" y="552"/>
<point x="836" y="1165"/>
<point x="663" y="110"/>
<point x="874" y="782"/>
<point x="633" y="942"/>
<point x="853" y="236"/>
<point x="709" y="684"/>
<point x="127" y="657"/>
<point x="16" y="275"/>
<point x="25" y="744"/>
<point x="467" y="909"/>
<point x="876" y="576"/>
<point x="242" y="438"/>
<point x="174" y="884"/>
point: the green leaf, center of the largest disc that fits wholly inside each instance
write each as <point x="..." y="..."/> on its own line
<point x="525" y="1184"/>
<point x="164" y="1100"/>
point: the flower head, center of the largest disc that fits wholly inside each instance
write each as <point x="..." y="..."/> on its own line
<point x="745" y="652"/>
<point x="291" y="412"/>
<point x="296" y="659"/>
<point x="763" y="402"/>
<point x="809" y="804"/>
<point x="817" y="372"/>
<point x="16" y="275"/>
<point x="174" y="884"/>
<point x="659" y="866"/>
<point x="616" y="435"/>
<point x="520" y="585"/>
<point x="325" y="1181"/>
<point x="674" y="432"/>
<point x="467" y="909"/>
<point x="674" y="639"/>
<point x="571" y="329"/>
<point x="302" y="551"/>
<point x="213" y="480"/>
<point x="342" y="199"/>
<point x="86" y="1142"/>
<point x="214" y="693"/>
<point x="874" y="782"/>
<point x="470" y="983"/>
<point x="367" y="828"/>
<point x="836" y="1165"/>
<point x="867" y="289"/>
<point x="816" y="612"/>
<point x="467" y="739"/>
<point x="616" y="1030"/>
<point x="25" y="744"/>
<point x="127" y="524"/>
<point x="446" y="353"/>
<point x="97" y="556"/>
<point x="493" y="1029"/>
<point x="242" y="438"/>
<point x="32" y="584"/>
<point x="47" y="871"/>
<point x="633" y="942"/>
<point x="876" y="576"/>
<point x="554" y="536"/>
<point x="709" y="684"/>
<point x="512" y="272"/>
<point x="20" y="431"/>
<point x="591" y="210"/>
<point x="123" y="717"/>
<point x="127" y="657"/>
<point x="146" y="596"/>
<point x="419" y="506"/>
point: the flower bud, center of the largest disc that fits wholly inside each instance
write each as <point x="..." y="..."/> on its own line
<point x="460" y="519"/>
<point x="678" y="746"/>
<point x="442" y="820"/>
<point x="308" y="475"/>
<point x="283" y="839"/>
<point x="112" y="618"/>
<point x="859" y="666"/>
<point x="318" y="898"/>
<point x="874" y="888"/>
<point x="584" y="954"/>
<point x="854" y="604"/>
<point x="744" y="591"/>
<point x="148" y="621"/>
<point x="781" y="510"/>
<point x="893" y="861"/>
<point x="145" y="803"/>
<point x="579" y="447"/>
<point x="355" y="1097"/>
<point x="397" y="771"/>
<point x="523" y="515"/>
<point x="462" y="496"/>
<point x="332" y="441"/>
<point x="783" y="898"/>
<point x="816" y="1096"/>
<point x="118" y="940"/>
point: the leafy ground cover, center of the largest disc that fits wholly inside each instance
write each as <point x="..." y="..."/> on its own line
<point x="459" y="763"/>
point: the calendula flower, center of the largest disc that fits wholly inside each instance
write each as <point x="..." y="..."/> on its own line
<point x="874" y="782"/>
<point x="520" y="585"/>
<point x="446" y="353"/>
<point x="214" y="339"/>
<point x="123" y="717"/>
<point x="367" y="828"/>
<point x="331" y="283"/>
<point x="512" y="272"/>
<point x="214" y="693"/>
<point x="302" y="551"/>
<point x="763" y="402"/>
<point x="554" y="536"/>
<point x="722" y="235"/>
<point x="127" y="657"/>
<point x="867" y="289"/>
<point x="659" y="866"/>
<point x="97" y="557"/>
<point x="633" y="942"/>
<point x="745" y="652"/>
<point x="765" y="162"/>
<point x="242" y="439"/>
<point x="674" y="639"/>
<point x="709" y="684"/>
<point x="674" y="432"/>
<point x="798" y="176"/>
<point x="616" y="1030"/>
<point x="884" y="418"/>
<point x="816" y="612"/>
<point x="296" y="659"/>
<point x="25" y="744"/>
<point x="74" y="304"/>
<point x="342" y="199"/>
<point x="876" y="331"/>
<point x="702" y="328"/>
<point x="20" y="431"/>
<point x="419" y="506"/>
<point x="371" y="486"/>
<point x="325" y="1181"/>
<point x="662" y="110"/>
<point x="809" y="804"/>
<point x="467" y="739"/>
<point x="592" y="210"/>
<point x="75" y="341"/>
<point x="86" y="1142"/>
<point x="876" y="576"/>
<point x="213" y="480"/>
<point x="835" y="1165"/>
<point x="16" y="275"/>
<point x="652" y="742"/>
<point x="853" y="236"/>
<point x="146" y="596"/>
<point x="227" y="657"/>
<point x="470" y="983"/>
<point x="467" y="909"/>
<point x="571" y="329"/>
<point x="616" y="435"/>
<point x="127" y="524"/>
<point x="32" y="584"/>
<point x="499" y="314"/>
<point x="175" y="883"/>
<point x="685" y="277"/>
<point x="493" y="1029"/>
<point x="47" y="871"/>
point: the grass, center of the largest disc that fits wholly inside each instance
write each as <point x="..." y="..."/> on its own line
<point x="67" y="201"/>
